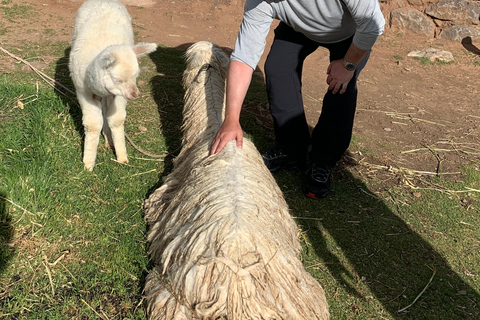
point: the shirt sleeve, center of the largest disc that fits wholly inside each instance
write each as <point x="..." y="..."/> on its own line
<point x="251" y="39"/>
<point x="369" y="19"/>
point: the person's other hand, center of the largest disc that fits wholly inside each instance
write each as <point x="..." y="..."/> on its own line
<point x="338" y="77"/>
<point x="229" y="130"/>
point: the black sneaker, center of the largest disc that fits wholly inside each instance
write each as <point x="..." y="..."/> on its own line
<point x="275" y="159"/>
<point x="317" y="181"/>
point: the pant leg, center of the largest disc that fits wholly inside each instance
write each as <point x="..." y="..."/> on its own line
<point x="283" y="74"/>
<point x="333" y="132"/>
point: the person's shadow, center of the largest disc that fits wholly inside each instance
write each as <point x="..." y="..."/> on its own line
<point x="6" y="232"/>
<point x="393" y="262"/>
<point x="167" y="92"/>
<point x="467" y="44"/>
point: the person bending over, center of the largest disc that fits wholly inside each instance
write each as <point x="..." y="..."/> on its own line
<point x="348" y="29"/>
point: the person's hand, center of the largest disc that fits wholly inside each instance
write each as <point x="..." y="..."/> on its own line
<point x="229" y="130"/>
<point x="338" y="77"/>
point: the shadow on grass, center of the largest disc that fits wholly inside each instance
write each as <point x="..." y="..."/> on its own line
<point x="63" y="85"/>
<point x="6" y="232"/>
<point x="377" y="253"/>
<point x="167" y="92"/>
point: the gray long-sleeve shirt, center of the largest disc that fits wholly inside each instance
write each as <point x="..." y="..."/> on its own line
<point x="324" y="21"/>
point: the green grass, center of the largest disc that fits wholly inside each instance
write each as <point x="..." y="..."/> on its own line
<point x="427" y="61"/>
<point x="56" y="209"/>
<point x="15" y="11"/>
<point x="375" y="254"/>
<point x="72" y="242"/>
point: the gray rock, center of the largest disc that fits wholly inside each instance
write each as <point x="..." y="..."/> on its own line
<point x="457" y="33"/>
<point x="412" y="20"/>
<point x="432" y="54"/>
<point x="416" y="2"/>
<point x="458" y="11"/>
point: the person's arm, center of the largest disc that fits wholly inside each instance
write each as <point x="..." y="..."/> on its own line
<point x="238" y="81"/>
<point x="249" y="47"/>
<point x="338" y="76"/>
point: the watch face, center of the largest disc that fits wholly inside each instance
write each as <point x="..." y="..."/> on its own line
<point x="348" y="65"/>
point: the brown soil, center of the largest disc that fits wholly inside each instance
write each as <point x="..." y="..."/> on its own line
<point x="410" y="115"/>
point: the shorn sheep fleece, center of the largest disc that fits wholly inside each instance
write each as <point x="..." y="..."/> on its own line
<point x="104" y="69"/>
<point x="220" y="234"/>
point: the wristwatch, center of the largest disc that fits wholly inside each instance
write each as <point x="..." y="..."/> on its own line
<point x="348" y="65"/>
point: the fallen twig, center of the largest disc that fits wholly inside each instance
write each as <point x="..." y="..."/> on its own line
<point x="405" y="170"/>
<point x="404" y="116"/>
<point x="49" y="274"/>
<point x="52" y="82"/>
<point x="141" y="173"/>
<point x="98" y="314"/>
<point x="156" y="156"/>
<point x="430" y="149"/>
<point x="420" y="294"/>
<point x="308" y="218"/>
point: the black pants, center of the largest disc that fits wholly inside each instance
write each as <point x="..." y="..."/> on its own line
<point x="283" y="72"/>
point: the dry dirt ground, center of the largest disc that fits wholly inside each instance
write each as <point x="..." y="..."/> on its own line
<point x="410" y="115"/>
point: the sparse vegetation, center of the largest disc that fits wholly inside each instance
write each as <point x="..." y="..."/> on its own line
<point x="16" y="11"/>
<point x="427" y="61"/>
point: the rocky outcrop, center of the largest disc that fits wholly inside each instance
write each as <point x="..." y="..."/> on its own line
<point x="412" y="20"/>
<point x="459" y="12"/>
<point x="448" y="19"/>
<point x="458" y="33"/>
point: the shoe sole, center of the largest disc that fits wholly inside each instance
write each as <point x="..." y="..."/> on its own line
<point x="314" y="196"/>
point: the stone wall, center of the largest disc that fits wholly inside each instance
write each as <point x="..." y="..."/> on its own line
<point x="448" y="19"/>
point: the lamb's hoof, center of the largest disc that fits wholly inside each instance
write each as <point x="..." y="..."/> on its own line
<point x="122" y="160"/>
<point x="89" y="166"/>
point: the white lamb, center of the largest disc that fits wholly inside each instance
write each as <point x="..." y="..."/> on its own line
<point x="221" y="236"/>
<point x="104" y="68"/>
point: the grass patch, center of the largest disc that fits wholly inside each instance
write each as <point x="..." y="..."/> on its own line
<point x="15" y="11"/>
<point x="72" y="242"/>
<point x="427" y="61"/>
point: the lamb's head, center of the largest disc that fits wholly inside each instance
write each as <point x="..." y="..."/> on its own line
<point x="118" y="70"/>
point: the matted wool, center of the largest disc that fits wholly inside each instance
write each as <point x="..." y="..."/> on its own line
<point x="221" y="236"/>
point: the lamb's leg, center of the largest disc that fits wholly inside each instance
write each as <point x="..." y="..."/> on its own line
<point x="92" y="121"/>
<point x="116" y="113"/>
<point x="107" y="133"/>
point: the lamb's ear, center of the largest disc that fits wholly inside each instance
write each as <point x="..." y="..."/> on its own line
<point x="109" y="61"/>
<point x="142" y="49"/>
